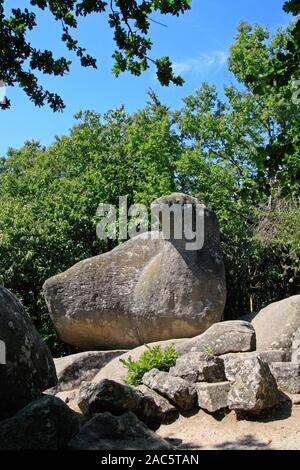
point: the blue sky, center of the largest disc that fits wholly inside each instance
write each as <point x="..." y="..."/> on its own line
<point x="197" y="42"/>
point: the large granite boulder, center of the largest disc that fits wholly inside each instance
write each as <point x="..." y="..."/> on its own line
<point x="29" y="368"/>
<point x="108" y="432"/>
<point x="276" y="324"/>
<point x="44" y="424"/>
<point x="143" y="291"/>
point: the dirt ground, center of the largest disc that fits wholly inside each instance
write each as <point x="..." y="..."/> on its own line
<point x="278" y="429"/>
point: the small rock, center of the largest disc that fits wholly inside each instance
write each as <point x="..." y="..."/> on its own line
<point x="213" y="396"/>
<point x="45" y="424"/>
<point x="117" y="398"/>
<point x="287" y="375"/>
<point x="108" y="432"/>
<point x="178" y="391"/>
<point x="195" y="367"/>
<point x="168" y="411"/>
<point x="253" y="386"/>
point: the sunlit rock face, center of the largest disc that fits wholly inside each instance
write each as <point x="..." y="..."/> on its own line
<point x="148" y="289"/>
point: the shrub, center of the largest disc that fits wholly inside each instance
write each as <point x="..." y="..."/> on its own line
<point x="153" y="358"/>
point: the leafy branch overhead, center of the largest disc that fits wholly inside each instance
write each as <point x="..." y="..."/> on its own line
<point x="285" y="63"/>
<point x="130" y="20"/>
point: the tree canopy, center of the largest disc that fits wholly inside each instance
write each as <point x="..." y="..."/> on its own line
<point x="284" y="62"/>
<point x="129" y="19"/>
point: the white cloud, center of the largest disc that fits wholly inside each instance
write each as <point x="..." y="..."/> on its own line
<point x="213" y="60"/>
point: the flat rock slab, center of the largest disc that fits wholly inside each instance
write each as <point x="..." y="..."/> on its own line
<point x="253" y="386"/>
<point x="195" y="367"/>
<point x="178" y="391"/>
<point x="287" y="375"/>
<point x="117" y="398"/>
<point x="125" y="432"/>
<point x="273" y="356"/>
<point x="213" y="396"/>
<point x="222" y="338"/>
<point x="74" y="369"/>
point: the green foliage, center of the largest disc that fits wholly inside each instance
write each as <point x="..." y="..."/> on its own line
<point x="20" y="62"/>
<point x="209" y="351"/>
<point x="285" y="65"/>
<point x="278" y="228"/>
<point x="153" y="358"/>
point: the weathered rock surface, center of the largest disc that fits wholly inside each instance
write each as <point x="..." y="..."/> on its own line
<point x="82" y="367"/>
<point x="167" y="411"/>
<point x="287" y="375"/>
<point x="273" y="356"/>
<point x="125" y="432"/>
<point x="195" y="367"/>
<point x="29" y="368"/>
<point x="213" y="396"/>
<point x="178" y="391"/>
<point x="296" y="347"/>
<point x="142" y="291"/>
<point x="44" y="424"/>
<point x="117" y="398"/>
<point x="276" y="324"/>
<point x="222" y="338"/>
<point x="252" y="385"/>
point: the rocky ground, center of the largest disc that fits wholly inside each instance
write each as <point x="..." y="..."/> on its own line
<point x="221" y="393"/>
<point x="278" y="430"/>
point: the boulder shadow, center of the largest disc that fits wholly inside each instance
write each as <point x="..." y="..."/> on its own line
<point x="181" y="445"/>
<point x="189" y="413"/>
<point x="171" y="417"/>
<point x="281" y="411"/>
<point x="247" y="442"/>
<point x="220" y="414"/>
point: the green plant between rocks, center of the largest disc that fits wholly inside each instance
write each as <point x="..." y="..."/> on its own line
<point x="209" y="351"/>
<point x="153" y="358"/>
